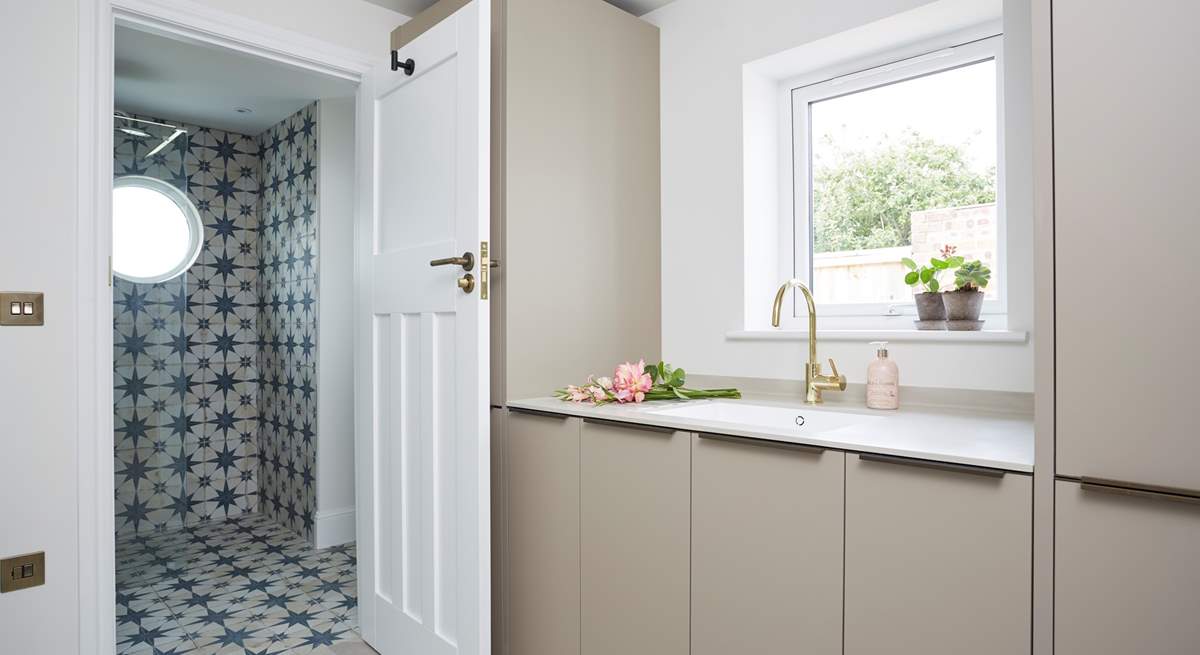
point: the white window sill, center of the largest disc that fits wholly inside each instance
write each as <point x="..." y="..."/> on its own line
<point x="894" y="336"/>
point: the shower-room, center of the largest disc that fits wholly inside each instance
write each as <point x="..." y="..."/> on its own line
<point x="232" y="286"/>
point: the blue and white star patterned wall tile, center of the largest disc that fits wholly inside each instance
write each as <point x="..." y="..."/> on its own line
<point x="185" y="360"/>
<point x="287" y="320"/>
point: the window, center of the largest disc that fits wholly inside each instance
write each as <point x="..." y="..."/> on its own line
<point x="896" y="161"/>
<point x="157" y="232"/>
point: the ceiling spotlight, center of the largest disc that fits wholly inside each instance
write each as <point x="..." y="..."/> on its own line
<point x="243" y="110"/>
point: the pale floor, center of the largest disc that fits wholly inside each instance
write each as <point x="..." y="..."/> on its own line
<point x="245" y="586"/>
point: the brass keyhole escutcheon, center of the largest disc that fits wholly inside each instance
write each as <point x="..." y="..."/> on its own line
<point x="467" y="283"/>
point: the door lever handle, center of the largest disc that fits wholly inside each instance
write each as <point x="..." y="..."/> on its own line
<point x="467" y="261"/>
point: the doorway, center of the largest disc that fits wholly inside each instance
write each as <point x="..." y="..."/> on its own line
<point x="382" y="118"/>
<point x="233" y="431"/>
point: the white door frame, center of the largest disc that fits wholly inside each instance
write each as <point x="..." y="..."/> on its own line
<point x="196" y="23"/>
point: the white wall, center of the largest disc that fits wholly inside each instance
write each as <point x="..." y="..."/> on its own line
<point x="335" y="332"/>
<point x="39" y="367"/>
<point x="351" y="24"/>
<point x="705" y="44"/>
<point x="38" y="487"/>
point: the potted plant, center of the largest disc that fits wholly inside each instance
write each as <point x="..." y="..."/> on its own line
<point x="931" y="311"/>
<point x="964" y="303"/>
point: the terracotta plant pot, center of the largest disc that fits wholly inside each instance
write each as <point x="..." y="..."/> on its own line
<point x="962" y="309"/>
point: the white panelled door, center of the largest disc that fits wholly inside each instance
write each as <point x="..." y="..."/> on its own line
<point x="424" y="540"/>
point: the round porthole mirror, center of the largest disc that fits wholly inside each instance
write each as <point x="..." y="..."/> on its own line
<point x="157" y="233"/>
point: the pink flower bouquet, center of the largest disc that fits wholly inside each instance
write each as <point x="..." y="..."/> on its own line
<point x="635" y="383"/>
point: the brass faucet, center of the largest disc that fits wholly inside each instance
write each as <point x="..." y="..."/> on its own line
<point x="814" y="381"/>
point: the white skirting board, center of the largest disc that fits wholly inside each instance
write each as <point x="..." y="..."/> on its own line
<point x="335" y="527"/>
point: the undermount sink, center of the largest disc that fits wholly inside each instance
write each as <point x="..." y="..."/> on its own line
<point x="801" y="420"/>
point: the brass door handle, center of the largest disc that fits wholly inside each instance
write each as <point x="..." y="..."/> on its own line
<point x="467" y="261"/>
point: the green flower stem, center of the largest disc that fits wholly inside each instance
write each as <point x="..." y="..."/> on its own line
<point x="667" y="393"/>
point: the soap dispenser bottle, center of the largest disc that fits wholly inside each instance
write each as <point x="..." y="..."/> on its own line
<point x="883" y="380"/>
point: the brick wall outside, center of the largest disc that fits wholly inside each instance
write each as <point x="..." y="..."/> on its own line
<point x="972" y="229"/>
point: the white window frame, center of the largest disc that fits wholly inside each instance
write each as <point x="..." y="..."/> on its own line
<point x="796" y="240"/>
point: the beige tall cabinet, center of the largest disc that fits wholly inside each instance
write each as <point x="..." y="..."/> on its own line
<point x="575" y="193"/>
<point x="1126" y="155"/>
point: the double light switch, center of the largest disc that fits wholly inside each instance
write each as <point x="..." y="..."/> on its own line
<point x="21" y="309"/>
<point x="22" y="572"/>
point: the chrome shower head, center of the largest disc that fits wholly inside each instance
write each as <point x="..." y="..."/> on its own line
<point x="134" y="132"/>
<point x="139" y="133"/>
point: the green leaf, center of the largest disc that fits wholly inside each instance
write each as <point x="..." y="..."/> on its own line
<point x="909" y="263"/>
<point x="926" y="275"/>
<point x="938" y="264"/>
<point x="677" y="378"/>
<point x="934" y="285"/>
<point x="911" y="278"/>
<point x="955" y="261"/>
<point x="652" y="371"/>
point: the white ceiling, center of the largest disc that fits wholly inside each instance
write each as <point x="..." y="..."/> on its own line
<point x="201" y="85"/>
<point x="192" y="83"/>
<point x="414" y="7"/>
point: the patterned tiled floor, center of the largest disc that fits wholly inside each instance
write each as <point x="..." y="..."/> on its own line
<point x="245" y="586"/>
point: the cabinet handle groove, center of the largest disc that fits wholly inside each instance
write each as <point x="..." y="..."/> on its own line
<point x="634" y="426"/>
<point x="1155" y="492"/>
<point x="765" y="443"/>
<point x="538" y="412"/>
<point x="930" y="464"/>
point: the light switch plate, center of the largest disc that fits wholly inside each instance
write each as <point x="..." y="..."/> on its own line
<point x="22" y="300"/>
<point x="22" y="571"/>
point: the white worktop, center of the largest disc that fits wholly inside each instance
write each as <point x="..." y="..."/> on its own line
<point x="958" y="436"/>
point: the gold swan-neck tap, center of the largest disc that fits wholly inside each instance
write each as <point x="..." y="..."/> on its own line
<point x="814" y="381"/>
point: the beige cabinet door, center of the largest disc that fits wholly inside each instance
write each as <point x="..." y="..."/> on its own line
<point x="766" y="548"/>
<point x="635" y="501"/>
<point x="542" y="577"/>
<point x="1126" y="573"/>
<point x="938" y="561"/>
<point x="1126" y="152"/>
